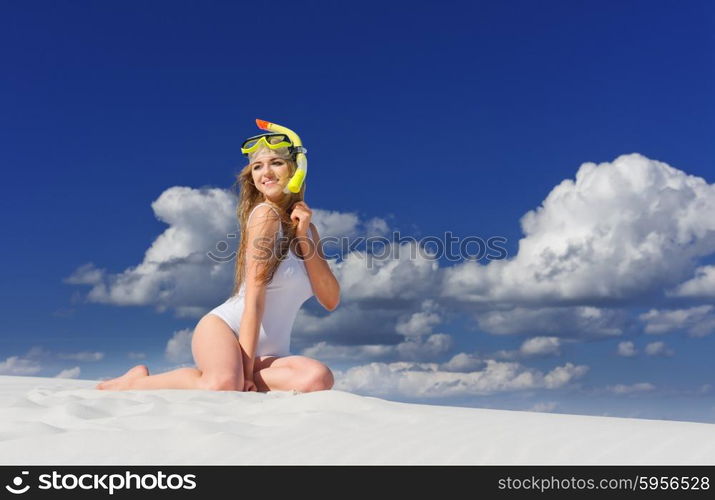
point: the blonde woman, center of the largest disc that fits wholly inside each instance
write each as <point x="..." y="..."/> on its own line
<point x="244" y="343"/>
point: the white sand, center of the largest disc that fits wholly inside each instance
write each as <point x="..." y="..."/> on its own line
<point x="45" y="421"/>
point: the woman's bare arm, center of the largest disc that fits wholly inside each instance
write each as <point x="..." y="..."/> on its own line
<point x="325" y="286"/>
<point x="261" y="235"/>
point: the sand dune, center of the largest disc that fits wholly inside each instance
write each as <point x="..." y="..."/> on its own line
<point x="45" y="421"/>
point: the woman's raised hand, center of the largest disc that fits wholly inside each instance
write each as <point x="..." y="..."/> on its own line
<point x="301" y="213"/>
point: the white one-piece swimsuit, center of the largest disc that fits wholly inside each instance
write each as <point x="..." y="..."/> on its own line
<point x="285" y="294"/>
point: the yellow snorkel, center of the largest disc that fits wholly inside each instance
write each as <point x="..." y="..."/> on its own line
<point x="295" y="182"/>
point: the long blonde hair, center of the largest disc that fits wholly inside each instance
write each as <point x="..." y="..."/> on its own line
<point x="248" y="197"/>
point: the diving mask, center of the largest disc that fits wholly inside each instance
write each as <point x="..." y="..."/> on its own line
<point x="272" y="141"/>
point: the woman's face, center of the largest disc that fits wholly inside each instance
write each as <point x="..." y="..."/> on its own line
<point x="270" y="174"/>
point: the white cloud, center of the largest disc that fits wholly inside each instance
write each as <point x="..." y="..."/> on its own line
<point x="69" y="373"/>
<point x="702" y="285"/>
<point x="626" y="349"/>
<point x="629" y="389"/>
<point x="427" y="380"/>
<point x="86" y="274"/>
<point x="17" y="365"/>
<point x="658" y="349"/>
<point x="324" y="351"/>
<point x="463" y="362"/>
<point x="419" y="323"/>
<point x="335" y="225"/>
<point x="178" y="348"/>
<point x="413" y="348"/>
<point x="620" y="230"/>
<point x="540" y="346"/>
<point x="357" y="323"/>
<point x="347" y="314"/>
<point x="402" y="272"/>
<point x="82" y="356"/>
<point x="353" y="323"/>
<point x="697" y="321"/>
<point x="535" y="346"/>
<point x="176" y="270"/>
<point x="562" y="375"/>
<point x="331" y="223"/>
<point x="376" y="226"/>
<point x="575" y="321"/>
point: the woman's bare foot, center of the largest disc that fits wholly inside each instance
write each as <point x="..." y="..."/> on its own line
<point x="122" y="383"/>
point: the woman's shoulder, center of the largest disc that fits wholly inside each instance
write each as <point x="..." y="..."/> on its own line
<point x="264" y="219"/>
<point x="264" y="211"/>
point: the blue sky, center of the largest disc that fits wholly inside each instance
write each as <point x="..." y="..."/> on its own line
<point x="120" y="136"/>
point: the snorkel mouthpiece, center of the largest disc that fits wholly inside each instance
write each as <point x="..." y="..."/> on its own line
<point x="296" y="182"/>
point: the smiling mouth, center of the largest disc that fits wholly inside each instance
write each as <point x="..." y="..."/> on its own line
<point x="270" y="182"/>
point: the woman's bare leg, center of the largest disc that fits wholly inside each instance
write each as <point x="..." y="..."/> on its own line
<point x="288" y="373"/>
<point x="113" y="384"/>
<point x="181" y="378"/>
<point x="218" y="357"/>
